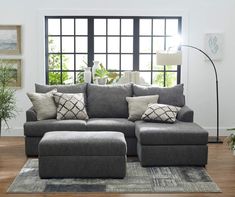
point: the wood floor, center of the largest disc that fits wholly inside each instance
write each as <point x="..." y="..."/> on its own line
<point x="221" y="167"/>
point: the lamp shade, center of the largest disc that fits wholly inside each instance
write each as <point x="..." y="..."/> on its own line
<point x="169" y="58"/>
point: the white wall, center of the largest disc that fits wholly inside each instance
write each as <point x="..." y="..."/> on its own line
<point x="199" y="17"/>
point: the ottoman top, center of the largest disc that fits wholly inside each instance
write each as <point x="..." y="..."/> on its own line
<point x="83" y="143"/>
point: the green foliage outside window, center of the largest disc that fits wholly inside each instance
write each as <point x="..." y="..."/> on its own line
<point x="54" y="64"/>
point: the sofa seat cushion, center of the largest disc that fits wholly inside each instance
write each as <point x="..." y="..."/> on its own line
<point x="39" y="128"/>
<point x="67" y="143"/>
<point x="179" y="133"/>
<point x="112" y="124"/>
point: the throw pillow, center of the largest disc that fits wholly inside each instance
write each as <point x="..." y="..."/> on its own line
<point x="161" y="113"/>
<point x="138" y="105"/>
<point x="43" y="104"/>
<point x="70" y="106"/>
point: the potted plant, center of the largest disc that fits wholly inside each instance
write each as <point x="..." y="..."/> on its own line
<point x="101" y="75"/>
<point x="7" y="95"/>
<point x="231" y="140"/>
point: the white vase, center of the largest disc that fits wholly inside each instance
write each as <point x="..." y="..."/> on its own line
<point x="87" y="75"/>
<point x="94" y="68"/>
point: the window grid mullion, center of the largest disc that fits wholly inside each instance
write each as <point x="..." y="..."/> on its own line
<point x="61" y="63"/>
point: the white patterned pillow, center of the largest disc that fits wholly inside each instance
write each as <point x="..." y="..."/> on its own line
<point x="160" y="113"/>
<point x="70" y="106"/>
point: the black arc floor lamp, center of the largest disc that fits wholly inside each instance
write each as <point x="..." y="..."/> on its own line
<point x="175" y="58"/>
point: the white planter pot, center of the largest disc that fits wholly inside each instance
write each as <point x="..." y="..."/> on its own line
<point x="102" y="81"/>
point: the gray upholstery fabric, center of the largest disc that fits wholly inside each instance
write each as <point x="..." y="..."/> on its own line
<point x="82" y="154"/>
<point x="78" y="88"/>
<point x="31" y="146"/>
<point x="171" y="96"/>
<point x="39" y="128"/>
<point x="179" y="133"/>
<point x="31" y="115"/>
<point x="82" y="167"/>
<point x="172" y="155"/>
<point x="66" y="143"/>
<point x="112" y="124"/>
<point x="108" y="101"/>
<point x="185" y="114"/>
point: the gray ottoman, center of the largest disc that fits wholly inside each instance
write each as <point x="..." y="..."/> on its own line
<point x="64" y="154"/>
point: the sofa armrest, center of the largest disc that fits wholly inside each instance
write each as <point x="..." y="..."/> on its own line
<point x="185" y="114"/>
<point x="31" y="115"/>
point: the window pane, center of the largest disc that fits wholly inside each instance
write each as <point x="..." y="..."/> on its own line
<point x="100" y="26"/>
<point x="145" y="26"/>
<point x="68" y="62"/>
<point x="81" y="44"/>
<point x="53" y="26"/>
<point x="67" y="77"/>
<point x="54" y="78"/>
<point x="114" y="26"/>
<point x="127" y="44"/>
<point x="113" y="44"/>
<point x="171" y="42"/>
<point x="81" y="27"/>
<point x="101" y="59"/>
<point x="145" y="62"/>
<point x="68" y="44"/>
<point x="158" y="79"/>
<point x="54" y="44"/>
<point x="100" y="44"/>
<point x="158" y="67"/>
<point x="171" y="27"/>
<point x="79" y="77"/>
<point x="127" y="26"/>
<point x="127" y="62"/>
<point x="67" y="26"/>
<point x="171" y="67"/>
<point x="81" y="62"/>
<point x="54" y="62"/>
<point x="158" y="27"/>
<point x="146" y="76"/>
<point x="113" y="62"/>
<point x="171" y="79"/>
<point x="145" y="45"/>
<point x="158" y="44"/>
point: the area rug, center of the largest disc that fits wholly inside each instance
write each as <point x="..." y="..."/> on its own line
<point x="138" y="179"/>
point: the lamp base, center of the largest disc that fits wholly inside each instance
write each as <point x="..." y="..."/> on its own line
<point x="214" y="140"/>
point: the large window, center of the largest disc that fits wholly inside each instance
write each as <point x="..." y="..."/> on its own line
<point x="119" y="43"/>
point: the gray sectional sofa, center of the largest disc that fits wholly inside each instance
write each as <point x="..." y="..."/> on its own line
<point x="180" y="143"/>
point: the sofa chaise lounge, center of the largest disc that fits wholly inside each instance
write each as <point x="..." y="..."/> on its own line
<point x="181" y="143"/>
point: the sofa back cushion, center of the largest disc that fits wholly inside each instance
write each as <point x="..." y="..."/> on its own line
<point x="170" y="96"/>
<point x="108" y="101"/>
<point x="78" y="88"/>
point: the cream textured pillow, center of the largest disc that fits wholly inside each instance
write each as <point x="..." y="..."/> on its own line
<point x="138" y="105"/>
<point x="160" y="113"/>
<point x="70" y="106"/>
<point x="43" y="104"/>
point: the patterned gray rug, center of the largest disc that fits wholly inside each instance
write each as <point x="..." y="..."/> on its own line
<point x="138" y="179"/>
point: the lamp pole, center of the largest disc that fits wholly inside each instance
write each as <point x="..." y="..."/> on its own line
<point x="217" y="140"/>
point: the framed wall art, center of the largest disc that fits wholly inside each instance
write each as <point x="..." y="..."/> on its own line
<point x="15" y="67"/>
<point x="213" y="45"/>
<point x="10" y="39"/>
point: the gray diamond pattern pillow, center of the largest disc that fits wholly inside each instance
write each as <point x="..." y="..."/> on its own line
<point x="70" y="106"/>
<point x="160" y="113"/>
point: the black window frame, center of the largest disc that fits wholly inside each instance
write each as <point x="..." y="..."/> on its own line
<point x="90" y="35"/>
